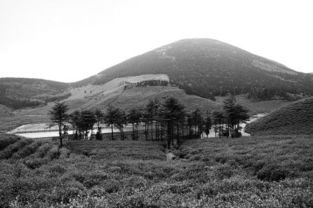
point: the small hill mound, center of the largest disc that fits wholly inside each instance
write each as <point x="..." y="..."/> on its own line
<point x="295" y="118"/>
<point x="23" y="92"/>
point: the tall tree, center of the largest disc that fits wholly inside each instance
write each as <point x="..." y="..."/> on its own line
<point x="133" y="117"/>
<point x="120" y="121"/>
<point x="99" y="116"/>
<point x="207" y="124"/>
<point x="235" y="114"/>
<point x="171" y="111"/>
<point x="110" y="118"/>
<point x="74" y="119"/>
<point x="218" y="121"/>
<point x="197" y="121"/>
<point x="58" y="115"/>
<point x="87" y="121"/>
<point x="152" y="112"/>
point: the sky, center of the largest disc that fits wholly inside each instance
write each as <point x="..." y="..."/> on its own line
<point x="69" y="40"/>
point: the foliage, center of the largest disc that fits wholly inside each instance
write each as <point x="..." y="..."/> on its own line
<point x="207" y="173"/>
<point x="209" y="68"/>
<point x="59" y="116"/>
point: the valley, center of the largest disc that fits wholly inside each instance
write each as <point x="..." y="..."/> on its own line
<point x="195" y="123"/>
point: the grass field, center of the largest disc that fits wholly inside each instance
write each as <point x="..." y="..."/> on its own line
<point x="245" y="172"/>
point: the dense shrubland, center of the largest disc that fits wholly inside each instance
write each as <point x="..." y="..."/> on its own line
<point x="244" y="172"/>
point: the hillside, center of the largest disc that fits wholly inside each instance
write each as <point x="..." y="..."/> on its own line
<point x="295" y="118"/>
<point x="22" y="92"/>
<point x="133" y="91"/>
<point x="209" y="68"/>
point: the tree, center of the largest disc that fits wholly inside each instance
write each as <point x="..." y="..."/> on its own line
<point x="197" y="121"/>
<point x="58" y="115"/>
<point x="74" y="119"/>
<point x="99" y="118"/>
<point x="170" y="112"/>
<point x="87" y="121"/>
<point x="115" y="117"/>
<point x="152" y="109"/>
<point x="120" y="121"/>
<point x="207" y="124"/>
<point x="218" y="120"/>
<point x="133" y="117"/>
<point x="234" y="114"/>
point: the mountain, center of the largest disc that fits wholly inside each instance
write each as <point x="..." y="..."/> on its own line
<point x="209" y="68"/>
<point x="198" y="72"/>
<point x="22" y="92"/>
<point x="295" y="118"/>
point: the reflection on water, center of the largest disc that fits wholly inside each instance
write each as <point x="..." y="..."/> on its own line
<point x="243" y="126"/>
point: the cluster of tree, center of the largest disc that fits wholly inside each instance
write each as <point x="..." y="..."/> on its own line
<point x="160" y="121"/>
<point x="227" y="121"/>
<point x="152" y="83"/>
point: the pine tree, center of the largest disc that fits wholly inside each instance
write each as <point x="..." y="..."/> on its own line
<point x="59" y="115"/>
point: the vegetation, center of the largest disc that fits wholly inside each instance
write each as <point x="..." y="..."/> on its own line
<point x="209" y="68"/>
<point x="206" y="173"/>
<point x="19" y="93"/>
<point x="59" y="116"/>
<point x="295" y="118"/>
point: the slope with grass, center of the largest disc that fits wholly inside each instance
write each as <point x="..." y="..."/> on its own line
<point x="246" y="172"/>
<point x="208" y="68"/>
<point x="295" y="118"/>
<point x="19" y="93"/>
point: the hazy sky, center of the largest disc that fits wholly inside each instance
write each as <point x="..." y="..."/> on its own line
<point x="68" y="40"/>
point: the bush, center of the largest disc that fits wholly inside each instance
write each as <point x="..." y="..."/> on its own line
<point x="6" y="140"/>
<point x="11" y="149"/>
<point x="26" y="150"/>
<point x="273" y="173"/>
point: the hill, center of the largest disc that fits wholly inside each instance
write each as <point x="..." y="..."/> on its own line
<point x="22" y="92"/>
<point x="209" y="68"/>
<point x="295" y="118"/>
<point x="133" y="91"/>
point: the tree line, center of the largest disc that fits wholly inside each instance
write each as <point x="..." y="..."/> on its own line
<point x="158" y="121"/>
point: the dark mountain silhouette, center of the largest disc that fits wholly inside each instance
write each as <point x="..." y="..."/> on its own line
<point x="208" y="68"/>
<point x="295" y="118"/>
<point x="22" y="92"/>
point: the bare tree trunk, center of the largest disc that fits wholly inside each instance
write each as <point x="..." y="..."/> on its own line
<point x="112" y="136"/>
<point x="60" y="135"/>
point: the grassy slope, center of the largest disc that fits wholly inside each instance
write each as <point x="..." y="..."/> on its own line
<point x="256" y="107"/>
<point x="208" y="67"/>
<point x="20" y="92"/>
<point x="246" y="172"/>
<point x="295" y="118"/>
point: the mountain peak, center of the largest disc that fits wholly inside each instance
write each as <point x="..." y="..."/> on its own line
<point x="208" y="68"/>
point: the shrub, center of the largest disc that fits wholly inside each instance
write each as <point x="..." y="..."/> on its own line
<point x="26" y="150"/>
<point x="11" y="149"/>
<point x="6" y="140"/>
<point x="273" y="173"/>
